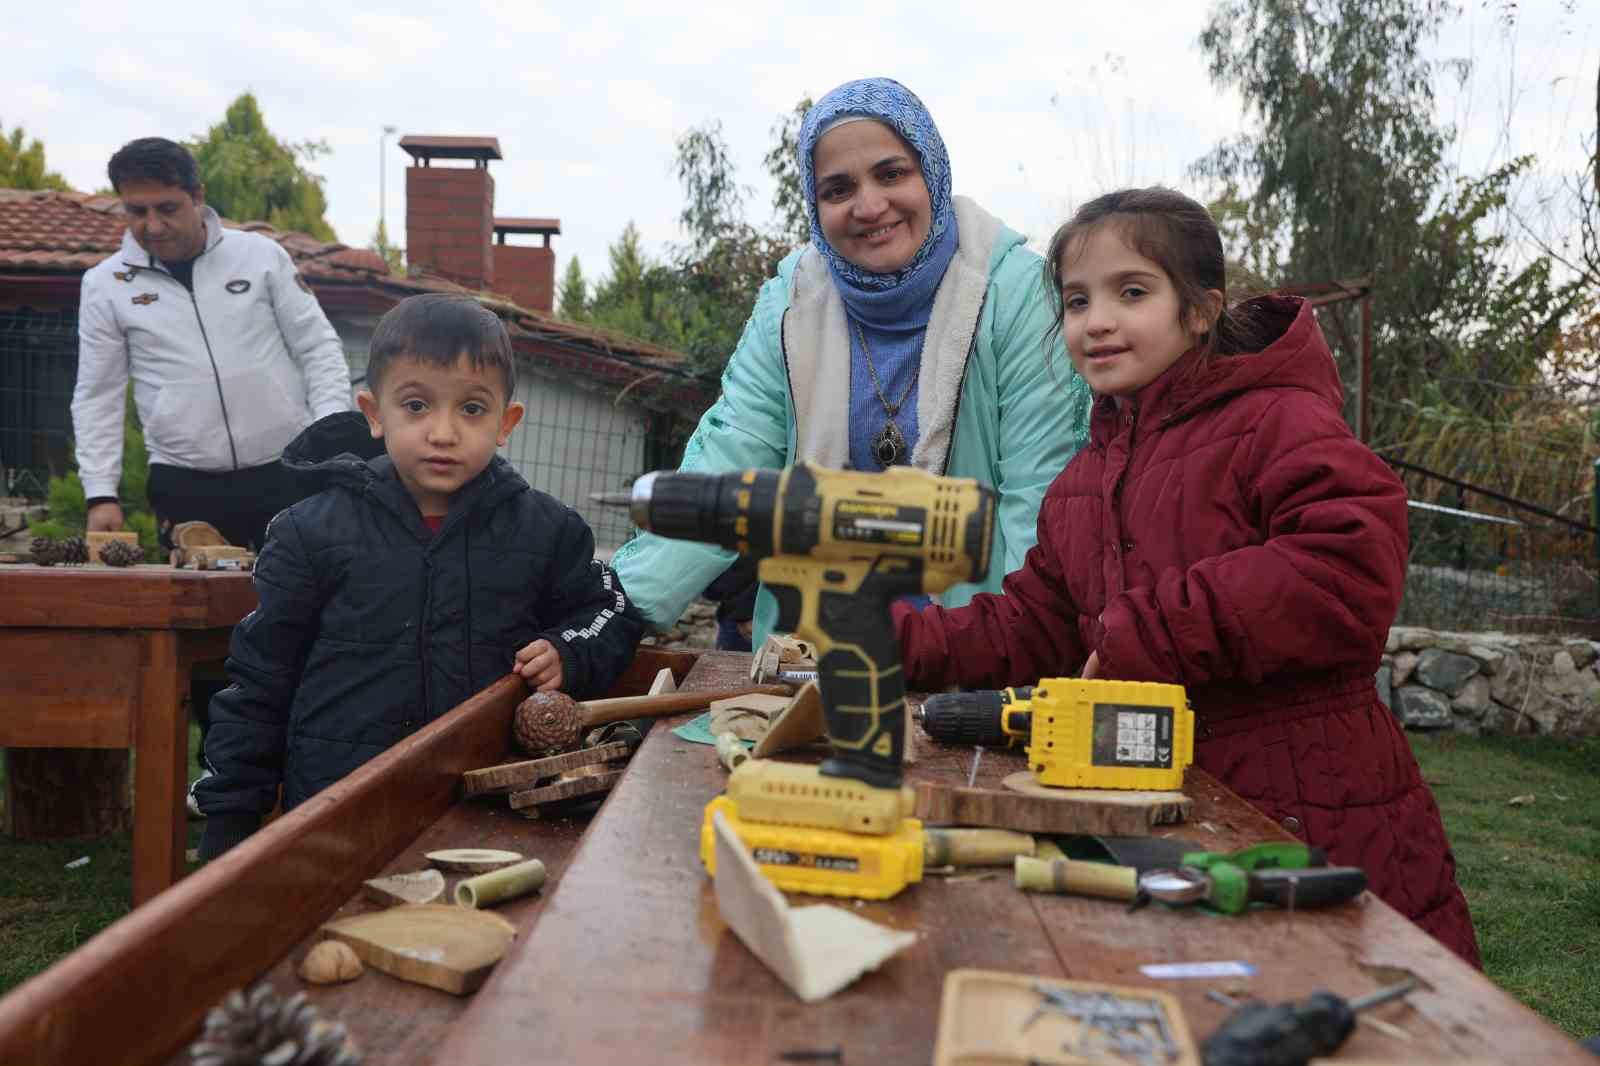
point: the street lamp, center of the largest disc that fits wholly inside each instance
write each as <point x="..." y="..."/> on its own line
<point x="383" y="219"/>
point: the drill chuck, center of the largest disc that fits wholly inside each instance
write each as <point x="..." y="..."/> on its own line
<point x="732" y="510"/>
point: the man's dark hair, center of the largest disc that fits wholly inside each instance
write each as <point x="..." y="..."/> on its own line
<point x="439" y="328"/>
<point x="155" y="159"/>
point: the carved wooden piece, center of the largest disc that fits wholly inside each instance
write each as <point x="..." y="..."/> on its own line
<point x="444" y="947"/>
<point x="420" y="886"/>
<point x="551" y="722"/>
<point x="331" y="962"/>
<point x="100" y="538"/>
<point x="798" y="725"/>
<point x="510" y="777"/>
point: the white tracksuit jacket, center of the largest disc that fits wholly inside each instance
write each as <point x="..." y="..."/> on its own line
<point x="223" y="378"/>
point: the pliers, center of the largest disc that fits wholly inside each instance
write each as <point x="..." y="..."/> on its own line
<point x="1282" y="874"/>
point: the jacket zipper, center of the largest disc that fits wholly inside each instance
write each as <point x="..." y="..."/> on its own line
<point x="961" y="386"/>
<point x="216" y="375"/>
<point x="422" y="635"/>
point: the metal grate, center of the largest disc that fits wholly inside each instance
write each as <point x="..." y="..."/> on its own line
<point x="38" y="364"/>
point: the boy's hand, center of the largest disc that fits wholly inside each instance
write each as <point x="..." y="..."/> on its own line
<point x="540" y="666"/>
<point x="1091" y="669"/>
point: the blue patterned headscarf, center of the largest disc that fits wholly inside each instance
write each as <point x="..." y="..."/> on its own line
<point x="898" y="108"/>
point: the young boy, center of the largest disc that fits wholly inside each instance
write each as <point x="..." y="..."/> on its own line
<point x="410" y="581"/>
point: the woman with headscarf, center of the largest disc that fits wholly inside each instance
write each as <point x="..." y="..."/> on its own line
<point x="914" y="328"/>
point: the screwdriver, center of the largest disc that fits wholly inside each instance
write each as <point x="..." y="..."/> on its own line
<point x="1291" y="1034"/>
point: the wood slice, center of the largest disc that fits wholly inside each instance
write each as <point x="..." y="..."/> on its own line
<point x="510" y="776"/>
<point x="566" y="788"/>
<point x="444" y="947"/>
<point x="472" y="860"/>
<point x="1093" y="811"/>
<point x="423" y="886"/>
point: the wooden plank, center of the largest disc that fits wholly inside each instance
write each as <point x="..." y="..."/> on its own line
<point x="635" y="901"/>
<point x="72" y="689"/>
<point x="135" y="597"/>
<point x="161" y="738"/>
<point x="567" y="788"/>
<point x="512" y="775"/>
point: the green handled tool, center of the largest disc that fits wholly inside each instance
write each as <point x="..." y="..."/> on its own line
<point x="1275" y="855"/>
<point x="1230" y="888"/>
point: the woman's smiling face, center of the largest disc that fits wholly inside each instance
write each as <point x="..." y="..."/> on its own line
<point x="872" y="202"/>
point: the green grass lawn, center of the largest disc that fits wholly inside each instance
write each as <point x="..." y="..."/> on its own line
<point x="1529" y="872"/>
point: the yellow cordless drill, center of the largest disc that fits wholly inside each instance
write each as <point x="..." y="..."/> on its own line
<point x="836" y="548"/>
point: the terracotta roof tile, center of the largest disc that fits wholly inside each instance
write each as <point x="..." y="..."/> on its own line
<point x="51" y="232"/>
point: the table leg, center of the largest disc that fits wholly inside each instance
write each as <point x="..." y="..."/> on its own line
<point x="161" y="743"/>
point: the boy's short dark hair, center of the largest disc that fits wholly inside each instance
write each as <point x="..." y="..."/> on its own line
<point x="438" y="328"/>
<point x="155" y="159"/>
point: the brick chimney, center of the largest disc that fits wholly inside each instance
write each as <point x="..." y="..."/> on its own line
<point x="450" y="210"/>
<point x="522" y="272"/>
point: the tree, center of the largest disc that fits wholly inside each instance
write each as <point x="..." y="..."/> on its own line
<point x="573" y="304"/>
<point x="392" y="255"/>
<point x="1345" y="175"/>
<point x="251" y="175"/>
<point x="24" y="167"/>
<point x="783" y="163"/>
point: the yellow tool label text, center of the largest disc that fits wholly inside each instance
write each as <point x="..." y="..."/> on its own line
<point x="878" y="523"/>
<point x="781" y="857"/>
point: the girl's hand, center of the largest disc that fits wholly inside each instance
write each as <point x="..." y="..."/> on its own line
<point x="540" y="666"/>
<point x="1092" y="667"/>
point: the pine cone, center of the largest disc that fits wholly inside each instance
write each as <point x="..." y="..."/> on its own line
<point x="46" y="552"/>
<point x="263" y="1029"/>
<point x="121" y="553"/>
<point x="75" y="550"/>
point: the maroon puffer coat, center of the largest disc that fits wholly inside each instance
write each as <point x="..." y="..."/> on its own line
<point x="1225" y="531"/>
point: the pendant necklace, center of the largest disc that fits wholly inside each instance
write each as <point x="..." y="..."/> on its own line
<point x="889" y="446"/>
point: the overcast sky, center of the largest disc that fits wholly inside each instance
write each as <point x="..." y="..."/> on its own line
<point x="1041" y="104"/>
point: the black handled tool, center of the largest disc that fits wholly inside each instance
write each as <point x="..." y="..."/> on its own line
<point x="1291" y="1034"/>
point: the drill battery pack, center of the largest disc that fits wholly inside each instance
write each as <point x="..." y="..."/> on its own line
<point x="1110" y="734"/>
<point x="822" y="862"/>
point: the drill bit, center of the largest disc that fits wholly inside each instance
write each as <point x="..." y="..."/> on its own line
<point x="611" y="499"/>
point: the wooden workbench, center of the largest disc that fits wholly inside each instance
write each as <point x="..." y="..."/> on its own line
<point x="96" y="657"/>
<point x="631" y="963"/>
<point x="136" y="993"/>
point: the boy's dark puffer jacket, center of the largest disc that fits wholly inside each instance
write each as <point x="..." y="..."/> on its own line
<point x="369" y="627"/>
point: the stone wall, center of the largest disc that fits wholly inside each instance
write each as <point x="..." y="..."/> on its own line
<point x="1492" y="682"/>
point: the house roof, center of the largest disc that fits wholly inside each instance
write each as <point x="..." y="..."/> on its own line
<point x="53" y="237"/>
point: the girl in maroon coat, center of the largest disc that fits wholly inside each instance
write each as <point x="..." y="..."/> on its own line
<point x="1224" y="531"/>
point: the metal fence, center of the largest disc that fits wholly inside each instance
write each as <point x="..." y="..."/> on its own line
<point x="38" y="364"/>
<point x="1482" y="560"/>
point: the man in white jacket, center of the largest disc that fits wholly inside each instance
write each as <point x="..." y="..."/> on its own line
<point x="229" y="354"/>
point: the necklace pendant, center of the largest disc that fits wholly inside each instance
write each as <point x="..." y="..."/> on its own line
<point x="889" y="446"/>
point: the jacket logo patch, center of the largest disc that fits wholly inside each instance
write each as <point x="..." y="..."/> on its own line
<point x="238" y="285"/>
<point x="146" y="298"/>
<point x="126" y="275"/>
<point x="300" y="281"/>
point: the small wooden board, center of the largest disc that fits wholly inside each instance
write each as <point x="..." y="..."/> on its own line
<point x="448" y="948"/>
<point x="423" y="886"/>
<point x="566" y="788"/>
<point x="516" y="775"/>
<point x="984" y="1020"/>
<point x="1038" y="809"/>
<point x="796" y="725"/>
<point x="472" y="860"/>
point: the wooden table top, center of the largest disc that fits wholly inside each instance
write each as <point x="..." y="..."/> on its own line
<point x="630" y="960"/>
<point x="133" y="597"/>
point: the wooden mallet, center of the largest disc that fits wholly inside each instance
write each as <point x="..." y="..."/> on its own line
<point x="550" y="722"/>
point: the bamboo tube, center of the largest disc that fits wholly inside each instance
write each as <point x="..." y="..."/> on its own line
<point x="973" y="847"/>
<point x="1077" y="878"/>
<point x="496" y="886"/>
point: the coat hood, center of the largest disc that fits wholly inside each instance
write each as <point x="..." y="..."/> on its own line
<point x="340" y="451"/>
<point x="1297" y="358"/>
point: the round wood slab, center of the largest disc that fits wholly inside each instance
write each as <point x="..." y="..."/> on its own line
<point x="472" y="860"/>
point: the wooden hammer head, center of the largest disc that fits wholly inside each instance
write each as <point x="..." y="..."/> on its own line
<point x="547" y="723"/>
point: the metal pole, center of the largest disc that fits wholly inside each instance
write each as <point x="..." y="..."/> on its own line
<point x="383" y="185"/>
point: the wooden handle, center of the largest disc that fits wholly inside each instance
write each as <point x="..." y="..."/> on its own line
<point x="599" y="712"/>
<point x="1077" y="878"/>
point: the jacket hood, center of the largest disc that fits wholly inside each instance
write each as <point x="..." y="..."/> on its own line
<point x="1297" y="358"/>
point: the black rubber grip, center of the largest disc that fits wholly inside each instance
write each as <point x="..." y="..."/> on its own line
<point x="965" y="718"/>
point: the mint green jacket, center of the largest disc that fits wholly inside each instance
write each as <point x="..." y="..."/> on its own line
<point x="998" y="401"/>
